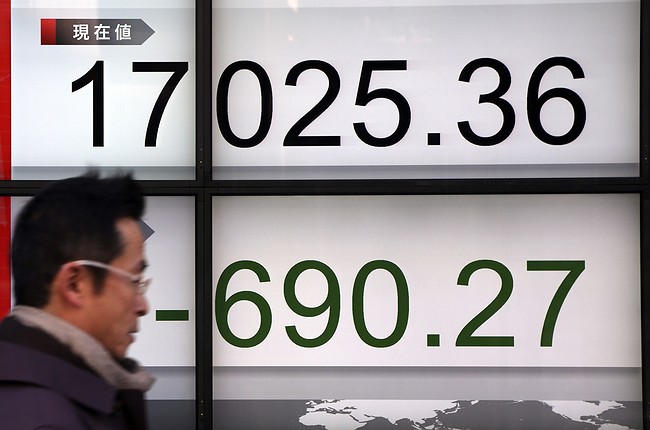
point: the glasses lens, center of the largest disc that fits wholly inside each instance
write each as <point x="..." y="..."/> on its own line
<point x="143" y="285"/>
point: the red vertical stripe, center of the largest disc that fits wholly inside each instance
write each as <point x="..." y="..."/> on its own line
<point x="48" y="31"/>
<point x="5" y="152"/>
<point x="5" y="89"/>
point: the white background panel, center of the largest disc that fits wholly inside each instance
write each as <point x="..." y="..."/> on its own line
<point x="431" y="238"/>
<point x="437" y="41"/>
<point x="170" y="254"/>
<point x="52" y="126"/>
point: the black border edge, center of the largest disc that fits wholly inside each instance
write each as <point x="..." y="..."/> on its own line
<point x="203" y="293"/>
<point x="644" y="136"/>
<point x="645" y="307"/>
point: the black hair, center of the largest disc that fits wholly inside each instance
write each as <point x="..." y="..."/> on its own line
<point x="71" y="219"/>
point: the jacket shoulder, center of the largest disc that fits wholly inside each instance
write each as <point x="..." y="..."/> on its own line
<point x="27" y="407"/>
<point x="20" y="366"/>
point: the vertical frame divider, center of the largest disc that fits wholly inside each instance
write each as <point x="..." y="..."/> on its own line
<point x="203" y="242"/>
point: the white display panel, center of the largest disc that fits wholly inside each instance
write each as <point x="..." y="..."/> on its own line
<point x="164" y="341"/>
<point x="83" y="67"/>
<point x="166" y="336"/>
<point x="559" y="83"/>
<point x="480" y="277"/>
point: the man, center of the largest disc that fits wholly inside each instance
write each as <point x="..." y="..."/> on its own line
<point x="77" y="261"/>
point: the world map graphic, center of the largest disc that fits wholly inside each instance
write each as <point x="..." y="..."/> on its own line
<point x="467" y="414"/>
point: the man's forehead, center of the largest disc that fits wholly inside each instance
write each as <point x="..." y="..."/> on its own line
<point x="129" y="230"/>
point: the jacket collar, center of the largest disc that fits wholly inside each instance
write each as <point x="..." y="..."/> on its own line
<point x="126" y="375"/>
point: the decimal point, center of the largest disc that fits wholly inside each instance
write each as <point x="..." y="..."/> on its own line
<point x="433" y="139"/>
<point x="433" y="340"/>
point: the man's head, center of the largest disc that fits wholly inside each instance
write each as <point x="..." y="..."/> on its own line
<point x="83" y="218"/>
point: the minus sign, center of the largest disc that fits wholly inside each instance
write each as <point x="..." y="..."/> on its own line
<point x="173" y="315"/>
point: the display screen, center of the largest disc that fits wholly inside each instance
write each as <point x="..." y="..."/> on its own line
<point x="458" y="299"/>
<point x="336" y="304"/>
<point x="425" y="89"/>
<point x="108" y="85"/>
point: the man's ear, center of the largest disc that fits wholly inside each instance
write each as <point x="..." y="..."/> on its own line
<point x="70" y="284"/>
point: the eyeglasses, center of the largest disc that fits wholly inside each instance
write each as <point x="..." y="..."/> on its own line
<point x="139" y="283"/>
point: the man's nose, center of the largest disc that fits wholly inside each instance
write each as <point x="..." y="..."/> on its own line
<point x="142" y="305"/>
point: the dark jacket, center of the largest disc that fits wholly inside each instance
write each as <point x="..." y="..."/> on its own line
<point x="44" y="386"/>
